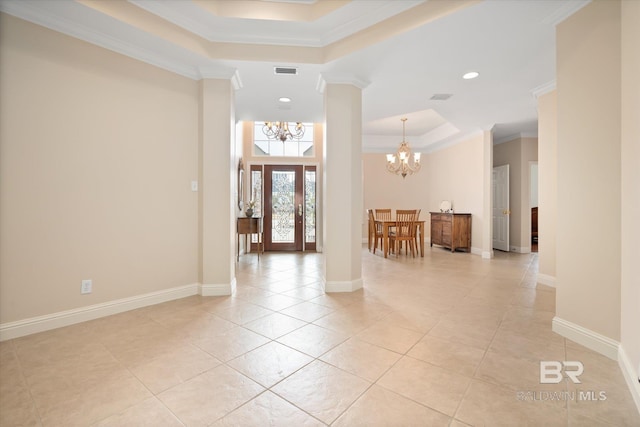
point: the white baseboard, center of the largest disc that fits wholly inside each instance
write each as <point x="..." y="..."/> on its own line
<point x="70" y="317"/>
<point x="630" y="375"/>
<point x="586" y="337"/>
<point x="545" y="279"/>
<point x="486" y="254"/>
<point x="218" y="290"/>
<point x="346" y="286"/>
<point x="476" y="251"/>
<point x="520" y="249"/>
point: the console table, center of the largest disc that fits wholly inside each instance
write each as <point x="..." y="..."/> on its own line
<point x="451" y="230"/>
<point x="249" y="226"/>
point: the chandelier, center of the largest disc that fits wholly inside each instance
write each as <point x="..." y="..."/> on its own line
<point x="282" y="131"/>
<point x="403" y="163"/>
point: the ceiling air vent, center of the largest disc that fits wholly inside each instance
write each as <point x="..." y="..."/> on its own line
<point x="441" y="96"/>
<point x="285" y="70"/>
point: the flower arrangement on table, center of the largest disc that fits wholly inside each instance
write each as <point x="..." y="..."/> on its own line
<point x="250" y="206"/>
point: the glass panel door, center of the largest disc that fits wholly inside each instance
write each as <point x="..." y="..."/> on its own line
<point x="283" y="208"/>
<point x="286" y="197"/>
<point x="310" y="208"/>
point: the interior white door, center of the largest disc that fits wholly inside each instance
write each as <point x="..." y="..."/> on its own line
<point x="501" y="210"/>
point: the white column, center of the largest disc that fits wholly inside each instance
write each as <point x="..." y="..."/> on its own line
<point x="547" y="182"/>
<point x="342" y="196"/>
<point x="487" y="202"/>
<point x="217" y="178"/>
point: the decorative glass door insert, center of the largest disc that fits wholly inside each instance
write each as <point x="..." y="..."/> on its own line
<point x="310" y="207"/>
<point x="286" y="197"/>
<point x="283" y="206"/>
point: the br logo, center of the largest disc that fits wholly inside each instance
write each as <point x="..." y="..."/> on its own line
<point x="551" y="371"/>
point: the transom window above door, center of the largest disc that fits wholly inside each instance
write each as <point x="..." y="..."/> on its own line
<point x="264" y="145"/>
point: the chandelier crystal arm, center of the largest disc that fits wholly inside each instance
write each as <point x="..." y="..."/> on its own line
<point x="281" y="130"/>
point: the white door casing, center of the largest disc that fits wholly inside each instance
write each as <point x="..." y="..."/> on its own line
<point x="500" y="211"/>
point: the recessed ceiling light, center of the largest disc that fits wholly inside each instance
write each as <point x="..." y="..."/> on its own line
<point x="284" y="99"/>
<point x="471" y="75"/>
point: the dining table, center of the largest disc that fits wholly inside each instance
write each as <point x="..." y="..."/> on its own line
<point x="390" y="223"/>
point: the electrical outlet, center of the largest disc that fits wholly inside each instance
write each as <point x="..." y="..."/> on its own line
<point x="86" y="286"/>
<point x="194" y="185"/>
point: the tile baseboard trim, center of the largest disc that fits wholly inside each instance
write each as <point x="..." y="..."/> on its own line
<point x="346" y="286"/>
<point x="586" y="337"/>
<point x="545" y="279"/>
<point x="60" y="319"/>
<point x="630" y="375"/>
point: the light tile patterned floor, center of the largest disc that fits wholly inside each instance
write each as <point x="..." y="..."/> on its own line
<point x="444" y="340"/>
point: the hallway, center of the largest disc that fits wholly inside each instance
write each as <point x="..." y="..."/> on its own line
<point x="448" y="339"/>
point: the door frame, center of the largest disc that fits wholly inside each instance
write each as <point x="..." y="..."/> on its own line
<point x="262" y="167"/>
<point x="500" y="209"/>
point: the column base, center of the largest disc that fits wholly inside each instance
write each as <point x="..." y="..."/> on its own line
<point x="346" y="286"/>
<point x="218" y="290"/>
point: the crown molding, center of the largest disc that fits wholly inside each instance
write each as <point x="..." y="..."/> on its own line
<point x="339" y="79"/>
<point x="31" y="12"/>
<point x="543" y="89"/>
<point x="364" y="22"/>
<point x="514" y="137"/>
<point x="219" y="72"/>
<point x="565" y="10"/>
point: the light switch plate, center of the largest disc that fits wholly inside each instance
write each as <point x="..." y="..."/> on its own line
<point x="194" y="185"/>
<point x="86" y="286"/>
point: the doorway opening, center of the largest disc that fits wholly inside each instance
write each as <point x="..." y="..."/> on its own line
<point x="533" y="203"/>
<point x="285" y="197"/>
<point x="501" y="211"/>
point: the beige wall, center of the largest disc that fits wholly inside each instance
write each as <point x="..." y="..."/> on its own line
<point x="518" y="154"/>
<point x="630" y="195"/>
<point x="548" y="188"/>
<point x="97" y="154"/>
<point x="385" y="190"/>
<point x="589" y="160"/>
<point x="454" y="173"/>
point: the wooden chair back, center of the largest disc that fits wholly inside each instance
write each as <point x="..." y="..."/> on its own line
<point x="405" y="223"/>
<point x="383" y="214"/>
<point x="375" y="232"/>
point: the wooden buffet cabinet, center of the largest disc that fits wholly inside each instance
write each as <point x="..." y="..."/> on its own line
<point x="451" y="230"/>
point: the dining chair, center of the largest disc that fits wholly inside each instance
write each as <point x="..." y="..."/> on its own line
<point x="415" y="232"/>
<point x="375" y="232"/>
<point x="405" y="231"/>
<point x="383" y="214"/>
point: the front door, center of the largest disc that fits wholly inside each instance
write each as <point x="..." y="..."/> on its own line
<point x="288" y="205"/>
<point x="283" y="208"/>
